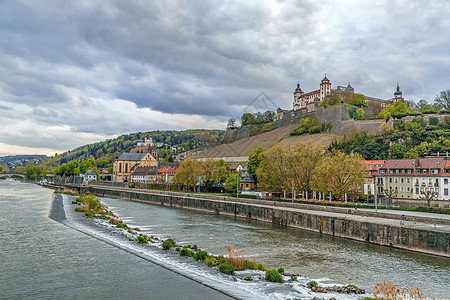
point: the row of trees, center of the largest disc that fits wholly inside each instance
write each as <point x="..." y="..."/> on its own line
<point x="258" y="118"/>
<point x="355" y="99"/>
<point x="208" y="173"/>
<point x="306" y="125"/>
<point x="306" y="168"/>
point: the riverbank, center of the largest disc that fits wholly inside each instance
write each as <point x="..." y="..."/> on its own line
<point x="414" y="233"/>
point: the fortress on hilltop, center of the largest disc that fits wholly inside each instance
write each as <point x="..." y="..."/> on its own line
<point x="308" y="102"/>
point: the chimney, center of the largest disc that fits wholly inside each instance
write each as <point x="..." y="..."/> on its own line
<point x="416" y="162"/>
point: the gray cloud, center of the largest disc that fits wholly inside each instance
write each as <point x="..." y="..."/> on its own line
<point x="197" y="64"/>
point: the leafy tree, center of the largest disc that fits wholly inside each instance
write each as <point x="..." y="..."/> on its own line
<point x="273" y="169"/>
<point x="358" y="100"/>
<point x="443" y="99"/>
<point x="433" y="121"/>
<point x="360" y="114"/>
<point x="303" y="159"/>
<point x="188" y="173"/>
<point x="394" y="109"/>
<point x="339" y="173"/>
<point x="3" y="168"/>
<point x="248" y="119"/>
<point x="88" y="164"/>
<point x="34" y="172"/>
<point x="214" y="171"/>
<point x="254" y="160"/>
<point x="232" y="182"/>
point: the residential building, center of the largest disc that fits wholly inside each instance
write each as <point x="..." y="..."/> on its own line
<point x="247" y="182"/>
<point x="235" y="167"/>
<point x="166" y="174"/>
<point x="445" y="185"/>
<point x="144" y="175"/>
<point x="411" y="177"/>
<point x="127" y="163"/>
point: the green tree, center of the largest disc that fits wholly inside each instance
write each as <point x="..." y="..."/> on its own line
<point x="254" y="160"/>
<point x="188" y="173"/>
<point x="34" y="172"/>
<point x="88" y="164"/>
<point x="360" y="114"/>
<point x="302" y="160"/>
<point x="232" y="182"/>
<point x="273" y="169"/>
<point x="339" y="173"/>
<point x="358" y="100"/>
<point x="394" y="109"/>
<point x="248" y="119"/>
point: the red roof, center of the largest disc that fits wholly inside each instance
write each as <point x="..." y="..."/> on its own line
<point x="413" y="165"/>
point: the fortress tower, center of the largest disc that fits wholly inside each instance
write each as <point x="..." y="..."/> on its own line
<point x="325" y="88"/>
<point x="398" y="96"/>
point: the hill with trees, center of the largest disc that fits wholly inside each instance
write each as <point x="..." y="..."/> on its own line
<point x="168" y="142"/>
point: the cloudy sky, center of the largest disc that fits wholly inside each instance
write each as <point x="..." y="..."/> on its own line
<point x="77" y="72"/>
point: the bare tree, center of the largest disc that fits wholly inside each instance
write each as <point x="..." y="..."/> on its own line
<point x="390" y="194"/>
<point x="231" y="124"/>
<point x="443" y="99"/>
<point x="429" y="196"/>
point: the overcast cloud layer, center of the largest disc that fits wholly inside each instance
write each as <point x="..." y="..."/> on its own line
<point x="77" y="72"/>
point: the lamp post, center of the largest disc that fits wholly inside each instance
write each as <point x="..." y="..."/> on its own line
<point x="292" y="189"/>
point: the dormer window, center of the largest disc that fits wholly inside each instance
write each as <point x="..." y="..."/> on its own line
<point x="403" y="171"/>
<point x="397" y="171"/>
<point x="424" y="171"/>
<point x="446" y="171"/>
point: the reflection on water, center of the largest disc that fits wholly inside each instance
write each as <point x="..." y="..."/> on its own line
<point x="330" y="259"/>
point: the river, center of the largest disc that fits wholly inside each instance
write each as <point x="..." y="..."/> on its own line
<point x="45" y="258"/>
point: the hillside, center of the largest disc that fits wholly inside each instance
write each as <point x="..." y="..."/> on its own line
<point x="169" y="142"/>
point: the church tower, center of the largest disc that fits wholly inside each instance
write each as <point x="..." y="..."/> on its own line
<point x="398" y="95"/>
<point x="325" y="87"/>
<point x="297" y="97"/>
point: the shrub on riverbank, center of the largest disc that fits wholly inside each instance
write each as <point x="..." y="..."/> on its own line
<point x="168" y="244"/>
<point x="274" y="276"/>
<point x="227" y="269"/>
<point x="201" y="255"/>
<point x="187" y="252"/>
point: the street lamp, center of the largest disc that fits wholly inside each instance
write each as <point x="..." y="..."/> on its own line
<point x="292" y="189"/>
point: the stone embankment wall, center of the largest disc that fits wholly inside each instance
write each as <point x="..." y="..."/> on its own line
<point x="355" y="225"/>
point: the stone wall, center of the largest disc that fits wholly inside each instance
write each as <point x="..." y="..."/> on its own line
<point x="391" y="234"/>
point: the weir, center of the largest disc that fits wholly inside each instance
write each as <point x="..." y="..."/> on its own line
<point x="421" y="235"/>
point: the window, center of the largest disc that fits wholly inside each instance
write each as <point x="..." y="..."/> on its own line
<point x="396" y="171"/>
<point x="407" y="189"/>
<point x="390" y="180"/>
<point x="395" y="180"/>
<point x="409" y="171"/>
<point x="402" y="180"/>
<point x="424" y="171"/>
<point x="445" y="192"/>
<point x="446" y="171"/>
<point x="434" y="171"/>
<point x="402" y="189"/>
<point x="403" y="171"/>
<point x="417" y="190"/>
<point x="120" y="167"/>
<point x="391" y="171"/>
<point x="408" y="180"/>
<point x="446" y="181"/>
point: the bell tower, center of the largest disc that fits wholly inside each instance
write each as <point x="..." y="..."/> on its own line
<point x="325" y="87"/>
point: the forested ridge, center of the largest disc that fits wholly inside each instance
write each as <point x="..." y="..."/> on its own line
<point x="107" y="151"/>
<point x="412" y="139"/>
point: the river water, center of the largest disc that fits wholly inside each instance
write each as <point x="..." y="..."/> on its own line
<point x="45" y="259"/>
